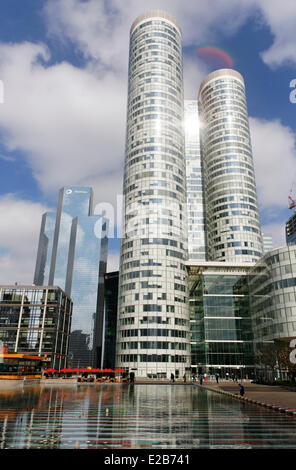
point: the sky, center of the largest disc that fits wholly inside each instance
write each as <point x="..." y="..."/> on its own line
<point x="63" y="73"/>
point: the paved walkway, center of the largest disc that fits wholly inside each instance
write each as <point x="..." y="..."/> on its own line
<point x="275" y="397"/>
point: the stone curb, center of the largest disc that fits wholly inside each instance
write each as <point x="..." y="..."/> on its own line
<point x="250" y="400"/>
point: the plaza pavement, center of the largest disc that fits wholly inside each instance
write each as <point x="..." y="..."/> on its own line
<point x="269" y="396"/>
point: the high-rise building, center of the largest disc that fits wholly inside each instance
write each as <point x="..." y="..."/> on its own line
<point x="232" y="217"/>
<point x="154" y="341"/>
<point x="42" y="269"/>
<point x="75" y="247"/>
<point x="291" y="230"/>
<point x="195" y="193"/>
<point x="267" y="242"/>
<point x="87" y="263"/>
<point x="73" y="202"/>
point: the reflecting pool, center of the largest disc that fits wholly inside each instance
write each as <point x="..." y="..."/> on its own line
<point x="136" y="417"/>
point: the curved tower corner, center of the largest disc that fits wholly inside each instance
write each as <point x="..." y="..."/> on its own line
<point x="232" y="216"/>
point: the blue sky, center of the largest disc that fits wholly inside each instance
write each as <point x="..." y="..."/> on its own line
<point x="63" y="64"/>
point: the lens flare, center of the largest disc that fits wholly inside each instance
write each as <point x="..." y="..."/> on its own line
<point x="214" y="56"/>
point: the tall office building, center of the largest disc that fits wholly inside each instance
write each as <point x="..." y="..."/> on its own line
<point x="42" y="268"/>
<point x="291" y="230"/>
<point x="195" y="193"/>
<point x="73" y="202"/>
<point x="232" y="218"/>
<point x="87" y="263"/>
<point x="74" y="246"/>
<point x="153" y="330"/>
<point x="110" y="319"/>
<point x="267" y="242"/>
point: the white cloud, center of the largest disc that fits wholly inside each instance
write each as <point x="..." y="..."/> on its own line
<point x="19" y="235"/>
<point x="281" y="20"/>
<point x="274" y="158"/>
<point x="70" y="122"/>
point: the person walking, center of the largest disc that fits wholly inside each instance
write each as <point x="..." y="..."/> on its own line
<point x="241" y="390"/>
<point x="132" y="377"/>
<point x="217" y="378"/>
<point x="184" y="377"/>
<point x="200" y="379"/>
<point x="172" y="378"/>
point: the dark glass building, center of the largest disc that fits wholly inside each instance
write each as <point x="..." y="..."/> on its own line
<point x="36" y="320"/>
<point x="87" y="264"/>
<point x="110" y="319"/>
<point x="291" y="230"/>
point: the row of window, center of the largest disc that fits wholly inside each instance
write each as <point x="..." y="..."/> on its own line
<point x="152" y="358"/>
<point x="154" y="332"/>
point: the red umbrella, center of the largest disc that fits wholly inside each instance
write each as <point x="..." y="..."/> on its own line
<point x="66" y="370"/>
<point x="120" y="370"/>
<point x="50" y="370"/>
<point x="108" y="370"/>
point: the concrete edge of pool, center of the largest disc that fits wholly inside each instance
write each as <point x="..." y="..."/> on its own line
<point x="271" y="406"/>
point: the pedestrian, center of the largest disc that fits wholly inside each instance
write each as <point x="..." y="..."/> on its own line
<point x="132" y="377"/>
<point x="200" y="379"/>
<point x="217" y="378"/>
<point x="227" y="375"/>
<point x="241" y="390"/>
<point x="172" y="378"/>
<point x="184" y="377"/>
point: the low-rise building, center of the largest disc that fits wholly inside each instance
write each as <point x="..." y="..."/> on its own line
<point x="36" y="320"/>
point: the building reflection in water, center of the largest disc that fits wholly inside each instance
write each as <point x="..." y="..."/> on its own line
<point x="135" y="417"/>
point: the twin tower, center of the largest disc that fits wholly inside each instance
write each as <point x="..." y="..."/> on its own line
<point x="153" y="322"/>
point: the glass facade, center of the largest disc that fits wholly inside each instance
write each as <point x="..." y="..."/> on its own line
<point x="87" y="263"/>
<point x="220" y="319"/>
<point x="37" y="321"/>
<point x="110" y="319"/>
<point x="232" y="217"/>
<point x="77" y="256"/>
<point x="273" y="296"/>
<point x="195" y="193"/>
<point x="42" y="269"/>
<point x="73" y="202"/>
<point x="153" y="330"/>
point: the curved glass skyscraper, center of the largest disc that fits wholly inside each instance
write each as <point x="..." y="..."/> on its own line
<point x="232" y="218"/>
<point x="153" y="329"/>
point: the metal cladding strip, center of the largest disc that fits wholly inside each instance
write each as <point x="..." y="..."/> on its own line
<point x="255" y="402"/>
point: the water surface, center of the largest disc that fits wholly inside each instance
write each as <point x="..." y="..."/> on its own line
<point x="137" y="416"/>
